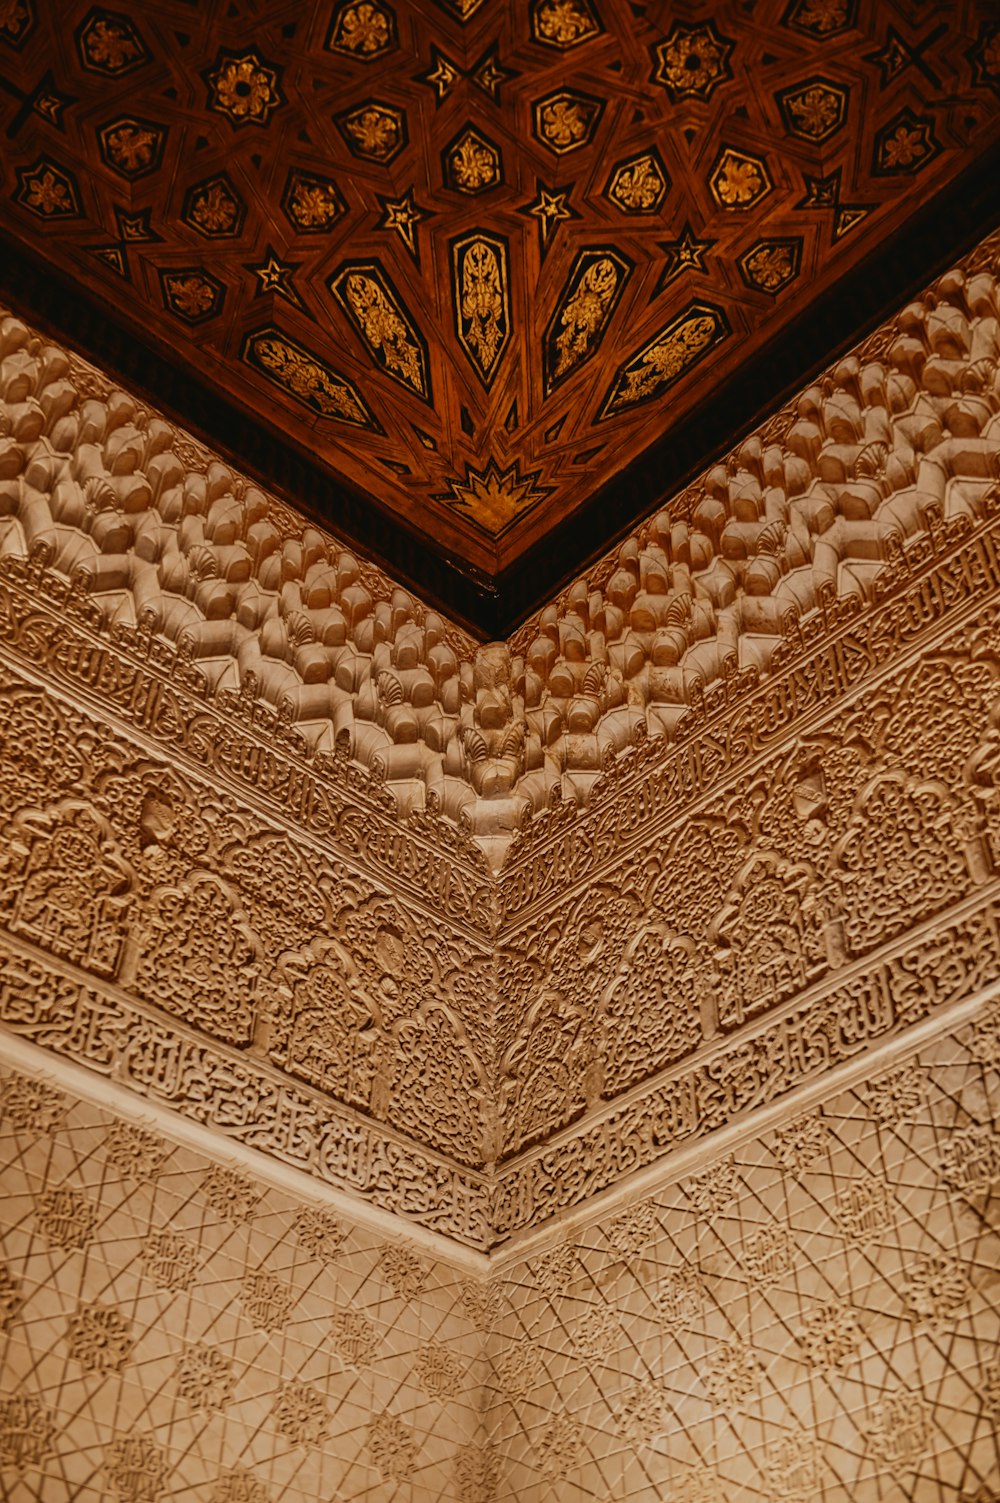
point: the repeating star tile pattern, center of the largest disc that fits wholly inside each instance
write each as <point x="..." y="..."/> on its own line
<point x="726" y="1342"/>
<point x="741" y="157"/>
<point x="131" y="1368"/>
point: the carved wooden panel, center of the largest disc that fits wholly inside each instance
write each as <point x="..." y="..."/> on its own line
<point x="478" y="257"/>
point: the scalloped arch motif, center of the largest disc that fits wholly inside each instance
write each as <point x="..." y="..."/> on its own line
<point x="520" y="1070"/>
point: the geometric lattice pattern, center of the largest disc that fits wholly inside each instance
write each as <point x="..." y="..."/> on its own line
<point x="172" y="1330"/>
<point x="812" y="1316"/>
<point x="815" y="1316"/>
<point x="478" y="258"/>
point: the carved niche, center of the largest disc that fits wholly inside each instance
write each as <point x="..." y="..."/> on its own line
<point x="651" y="1012"/>
<point x="65" y="886"/>
<point x="769" y="941"/>
<point x="393" y="1052"/>
<point x="198" y="958"/>
<point x="902" y="857"/>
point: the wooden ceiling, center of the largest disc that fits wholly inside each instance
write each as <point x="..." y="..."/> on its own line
<point x="478" y="266"/>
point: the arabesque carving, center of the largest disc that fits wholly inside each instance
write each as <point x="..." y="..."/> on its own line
<point x="891" y="456"/>
<point x="268" y="857"/>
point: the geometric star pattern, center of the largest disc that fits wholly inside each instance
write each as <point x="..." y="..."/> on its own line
<point x="811" y="1315"/>
<point x="380" y="136"/>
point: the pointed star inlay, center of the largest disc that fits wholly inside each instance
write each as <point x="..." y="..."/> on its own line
<point x="402" y="216"/>
<point x="821" y="192"/>
<point x="488" y="75"/>
<point x="897" y="55"/>
<point x="134" y="226"/>
<point x="549" y="208"/>
<point x="824" y="193"/>
<point x="276" y="276"/>
<point x="687" y="253"/>
<point x="442" y="76"/>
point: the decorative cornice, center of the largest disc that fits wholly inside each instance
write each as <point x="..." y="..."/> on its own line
<point x="477" y="933"/>
<point x="815" y="517"/>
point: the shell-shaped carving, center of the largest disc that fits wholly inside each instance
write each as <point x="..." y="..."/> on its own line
<point x="679" y="609"/>
<point x="771" y="539"/>
<point x="475" y="744"/>
<point x="871" y="461"/>
<point x="512" y="742"/>
<point x="390" y="690"/>
<point x="299" y="628"/>
<point x="202" y="562"/>
<point x="593" y="679"/>
<point x="100" y="494"/>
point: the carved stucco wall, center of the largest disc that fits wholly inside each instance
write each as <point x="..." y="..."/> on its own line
<point x="266" y="863"/>
<point x="811" y="1314"/>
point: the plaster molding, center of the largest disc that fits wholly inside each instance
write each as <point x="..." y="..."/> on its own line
<point x="798" y="529"/>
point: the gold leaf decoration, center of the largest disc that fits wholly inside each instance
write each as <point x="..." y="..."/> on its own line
<point x="678" y="346"/>
<point x="378" y="314"/>
<point x="494" y="498"/>
<point x="306" y="378"/>
<point x="590" y="297"/>
<point x="480" y="287"/>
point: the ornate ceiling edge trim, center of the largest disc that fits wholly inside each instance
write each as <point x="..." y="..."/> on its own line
<point x="831" y="508"/>
<point x="868" y="1004"/>
<point x="942" y="232"/>
<point x="96" y="331"/>
<point x="685" y="1161"/>
<point x="938" y="234"/>
<point x="81" y="1083"/>
<point x="97" y="1026"/>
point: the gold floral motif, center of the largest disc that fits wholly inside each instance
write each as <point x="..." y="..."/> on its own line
<point x="191" y="294"/>
<point x="213" y="208"/>
<point x="565" y="122"/>
<point x="638" y="186"/>
<point x="693" y="60"/>
<point x="384" y="329"/>
<point x="905" y="145"/>
<point x="15" y="19"/>
<point x="311" y="203"/>
<point x="482" y="300"/>
<point x="563" y="23"/>
<point x="110" y="45"/>
<point x="770" y="265"/>
<point x="739" y="181"/>
<point x="814" y="111"/>
<point x="300" y="374"/>
<point x="131" y="147"/>
<point x="680" y="345"/>
<point x="362" y="29"/>
<point x="48" y="192"/>
<point x="244" y="88"/>
<point x="822" y="17"/>
<point x="473" y="163"/>
<point x="374" y="131"/>
<point x="592" y="293"/>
